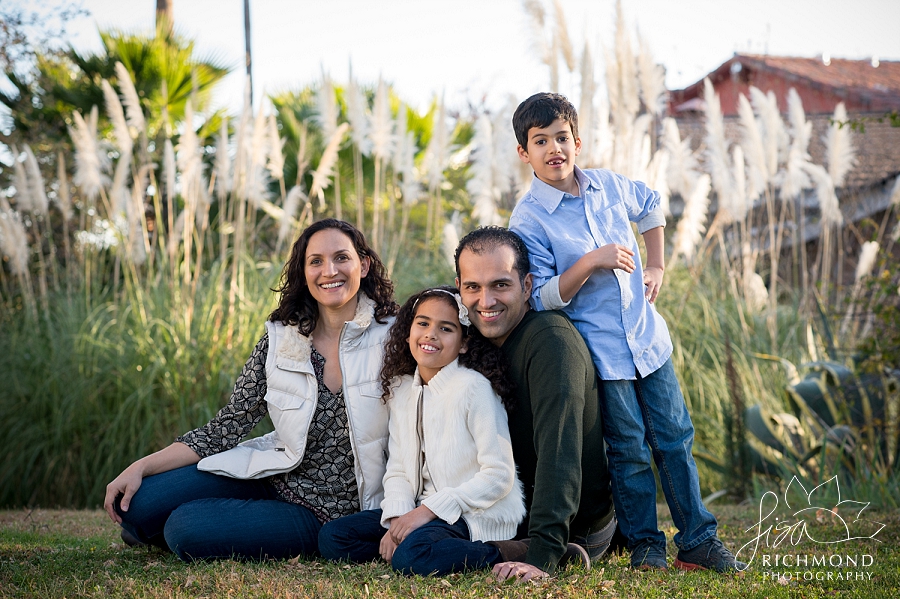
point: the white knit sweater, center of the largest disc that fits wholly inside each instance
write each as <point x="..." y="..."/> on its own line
<point x="468" y="450"/>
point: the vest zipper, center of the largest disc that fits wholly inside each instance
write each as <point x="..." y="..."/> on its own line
<point x="357" y="467"/>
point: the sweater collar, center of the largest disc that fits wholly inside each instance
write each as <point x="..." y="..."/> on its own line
<point x="443" y="380"/>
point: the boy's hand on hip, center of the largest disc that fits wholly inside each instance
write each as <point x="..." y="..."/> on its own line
<point x="408" y="522"/>
<point x="614" y="256"/>
<point x="653" y="278"/>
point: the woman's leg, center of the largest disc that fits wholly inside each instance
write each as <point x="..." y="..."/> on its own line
<point x="354" y="538"/>
<point x="241" y="529"/>
<point x="161" y="494"/>
<point x="439" y="548"/>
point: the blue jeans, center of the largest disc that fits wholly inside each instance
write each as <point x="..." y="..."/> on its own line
<point x="643" y="416"/>
<point x="433" y="548"/>
<point x="199" y="515"/>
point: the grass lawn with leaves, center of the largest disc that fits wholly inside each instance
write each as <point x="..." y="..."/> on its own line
<point x="65" y="553"/>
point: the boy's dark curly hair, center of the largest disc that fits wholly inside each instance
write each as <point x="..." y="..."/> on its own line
<point x="481" y="356"/>
<point x="297" y="306"/>
<point x="539" y="111"/>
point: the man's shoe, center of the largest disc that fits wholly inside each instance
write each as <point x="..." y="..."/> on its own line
<point x="131" y="540"/>
<point x="575" y="555"/>
<point x="709" y="555"/>
<point x="648" y="555"/>
<point x="511" y="551"/>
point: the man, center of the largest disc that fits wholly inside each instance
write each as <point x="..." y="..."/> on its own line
<point x="556" y="430"/>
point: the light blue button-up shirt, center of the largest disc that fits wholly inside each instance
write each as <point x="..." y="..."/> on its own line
<point x="623" y="330"/>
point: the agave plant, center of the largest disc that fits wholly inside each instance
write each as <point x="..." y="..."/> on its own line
<point x="839" y="419"/>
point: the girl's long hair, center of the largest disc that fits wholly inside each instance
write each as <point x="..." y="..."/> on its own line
<point x="297" y="306"/>
<point x="481" y="356"/>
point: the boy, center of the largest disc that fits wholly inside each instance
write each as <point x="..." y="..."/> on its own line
<point x="585" y="262"/>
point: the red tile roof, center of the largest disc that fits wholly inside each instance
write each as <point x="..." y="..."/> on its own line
<point x="854" y="81"/>
<point x="861" y="76"/>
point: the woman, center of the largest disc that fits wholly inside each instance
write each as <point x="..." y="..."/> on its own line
<point x="316" y="373"/>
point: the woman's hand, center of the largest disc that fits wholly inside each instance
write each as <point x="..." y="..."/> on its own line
<point x="408" y="522"/>
<point x="387" y="546"/>
<point x="126" y="485"/>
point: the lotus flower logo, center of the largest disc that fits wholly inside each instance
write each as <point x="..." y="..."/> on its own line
<point x="801" y="524"/>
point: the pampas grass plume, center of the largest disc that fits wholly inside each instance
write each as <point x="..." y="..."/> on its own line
<point x="754" y="149"/>
<point x="895" y="193"/>
<point x="450" y="238"/>
<point x="62" y="196"/>
<point x="867" y="256"/>
<point x="223" y="160"/>
<point x="14" y="241"/>
<point x="322" y="174"/>
<point x="693" y="221"/>
<point x="652" y="78"/>
<point x="794" y="179"/>
<point x="39" y="202"/>
<point x="276" y="144"/>
<point x="841" y="154"/>
<point x="481" y="185"/>
<point x="381" y="133"/>
<point x="828" y="202"/>
<point x="562" y="35"/>
<point x="90" y="162"/>
<point x="357" y="115"/>
<point x="130" y="99"/>
<point x="291" y="204"/>
<point x="326" y="108"/>
<point x="20" y="180"/>
<point x="116" y="113"/>
<point x="717" y="146"/>
<point x="438" y="149"/>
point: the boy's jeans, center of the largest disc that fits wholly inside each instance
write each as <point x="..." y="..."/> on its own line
<point x="650" y="414"/>
<point x="199" y="515"/>
<point x="433" y="548"/>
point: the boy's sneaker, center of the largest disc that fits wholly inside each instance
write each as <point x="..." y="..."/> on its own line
<point x="648" y="555"/>
<point x="709" y="555"/>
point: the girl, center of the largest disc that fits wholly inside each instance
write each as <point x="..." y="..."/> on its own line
<point x="451" y="485"/>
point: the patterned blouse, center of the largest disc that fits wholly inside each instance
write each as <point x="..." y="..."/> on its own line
<point x="324" y="481"/>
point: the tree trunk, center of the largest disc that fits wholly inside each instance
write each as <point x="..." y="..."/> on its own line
<point x="164" y="14"/>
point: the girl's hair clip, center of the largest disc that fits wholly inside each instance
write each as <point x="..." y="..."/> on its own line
<point x="463" y="311"/>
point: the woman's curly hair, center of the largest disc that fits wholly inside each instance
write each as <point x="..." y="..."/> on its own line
<point x="481" y="355"/>
<point x="297" y="306"/>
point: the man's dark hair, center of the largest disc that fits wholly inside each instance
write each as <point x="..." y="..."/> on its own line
<point x="485" y="239"/>
<point x="539" y="111"/>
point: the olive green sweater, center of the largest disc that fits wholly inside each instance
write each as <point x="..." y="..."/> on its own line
<point x="557" y="437"/>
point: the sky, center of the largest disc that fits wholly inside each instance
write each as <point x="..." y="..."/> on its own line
<point x="480" y="51"/>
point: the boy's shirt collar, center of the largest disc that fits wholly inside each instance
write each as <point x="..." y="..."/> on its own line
<point x="549" y="197"/>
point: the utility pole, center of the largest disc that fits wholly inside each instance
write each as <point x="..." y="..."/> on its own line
<point x="247" y="41"/>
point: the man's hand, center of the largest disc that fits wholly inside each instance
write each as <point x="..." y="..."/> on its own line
<point x="613" y="256"/>
<point x="387" y="547"/>
<point x="519" y="570"/>
<point x="653" y="279"/>
<point x="408" y="522"/>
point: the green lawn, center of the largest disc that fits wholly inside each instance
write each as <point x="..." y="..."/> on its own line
<point x="63" y="553"/>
